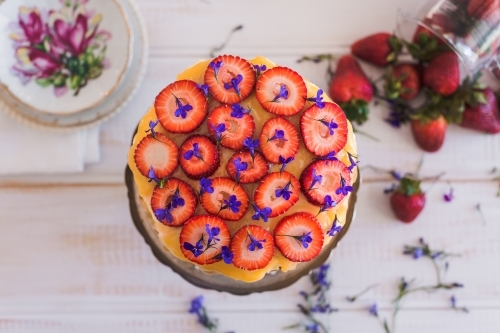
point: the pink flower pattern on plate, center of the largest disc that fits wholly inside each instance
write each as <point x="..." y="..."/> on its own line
<point x="61" y="48"/>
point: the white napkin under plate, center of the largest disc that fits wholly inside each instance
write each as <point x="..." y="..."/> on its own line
<point x="25" y="150"/>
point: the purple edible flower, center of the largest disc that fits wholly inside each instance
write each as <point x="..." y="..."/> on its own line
<point x="329" y="203"/>
<point x="343" y="189"/>
<point x="352" y="161"/>
<point x="316" y="179"/>
<point x="234" y="84"/>
<point x="216" y="66"/>
<point x="278" y="135"/>
<point x="305" y="239"/>
<point x="204" y="88"/>
<point x="196" y="249"/>
<point x="448" y="197"/>
<point x="227" y="255"/>
<point x="261" y="213"/>
<point x="284" y="192"/>
<point x="233" y="204"/>
<point x="196" y="304"/>
<point x="212" y="233"/>
<point x="255" y="244"/>
<point x="177" y="200"/>
<point x="152" y="125"/>
<point x="330" y="125"/>
<point x="335" y="229"/>
<point x="260" y="69"/>
<point x="193" y="152"/>
<point x="417" y="253"/>
<point x="237" y="111"/>
<point x="163" y="214"/>
<point x="312" y="328"/>
<point x="182" y="110"/>
<point x="221" y="128"/>
<point x="284" y="161"/>
<point x="373" y="310"/>
<point x="396" y="174"/>
<point x="318" y="99"/>
<point x="328" y="157"/>
<point x="206" y="186"/>
<point x="152" y="176"/>
<point x="251" y="144"/>
<point x="282" y="94"/>
<point x="239" y="166"/>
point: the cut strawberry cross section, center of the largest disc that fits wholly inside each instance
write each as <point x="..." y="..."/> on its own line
<point x="278" y="191"/>
<point x="228" y="199"/>
<point x="174" y="203"/>
<point x="279" y="138"/>
<point x="199" y="157"/>
<point x="256" y="168"/>
<point x="253" y="248"/>
<point x="158" y="153"/>
<point x="230" y="131"/>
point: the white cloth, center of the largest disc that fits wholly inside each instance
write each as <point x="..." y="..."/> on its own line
<point x="25" y="150"/>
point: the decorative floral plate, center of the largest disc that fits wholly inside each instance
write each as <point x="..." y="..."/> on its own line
<point x="99" y="66"/>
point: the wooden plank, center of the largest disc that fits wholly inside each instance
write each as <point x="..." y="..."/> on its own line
<point x="409" y="321"/>
<point x="466" y="155"/>
<point x="75" y="249"/>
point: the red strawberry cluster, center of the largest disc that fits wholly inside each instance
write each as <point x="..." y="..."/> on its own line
<point x="183" y="107"/>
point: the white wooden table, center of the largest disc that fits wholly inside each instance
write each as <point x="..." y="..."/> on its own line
<point x="72" y="261"/>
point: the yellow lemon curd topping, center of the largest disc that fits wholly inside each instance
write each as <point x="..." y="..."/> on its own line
<point x="169" y="236"/>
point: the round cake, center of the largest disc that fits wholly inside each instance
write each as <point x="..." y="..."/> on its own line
<point x="244" y="167"/>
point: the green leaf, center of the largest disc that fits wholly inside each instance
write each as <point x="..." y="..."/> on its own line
<point x="409" y="186"/>
<point x="44" y="82"/>
<point x="356" y="110"/>
<point x="75" y="82"/>
<point x="480" y="97"/>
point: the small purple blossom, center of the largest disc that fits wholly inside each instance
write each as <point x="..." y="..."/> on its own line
<point x="315" y="180"/>
<point x="152" y="125"/>
<point x="239" y="166"/>
<point x="332" y="125"/>
<point x="305" y="239"/>
<point x="373" y="310"/>
<point x="219" y="129"/>
<point x="260" y="69"/>
<point x="181" y="110"/>
<point x="261" y="213"/>
<point x="284" y="162"/>
<point x="278" y="135"/>
<point x="335" y="229"/>
<point x="311" y="328"/>
<point x="255" y="244"/>
<point x="284" y="192"/>
<point x="196" y="304"/>
<point x="212" y="233"/>
<point x="204" y="88"/>
<point x="232" y="204"/>
<point x="396" y="174"/>
<point x="193" y="152"/>
<point x="417" y="253"/>
<point x="216" y="65"/>
<point x="352" y="162"/>
<point x="206" y="186"/>
<point x="282" y="94"/>
<point x="329" y="203"/>
<point x="227" y="255"/>
<point x="251" y="144"/>
<point x="448" y="197"/>
<point x="344" y="188"/>
<point x="453" y="301"/>
<point x="237" y="111"/>
<point x="328" y="157"/>
<point x="163" y="214"/>
<point x="196" y="249"/>
<point x="234" y="84"/>
<point x="318" y="99"/>
<point x="177" y="200"/>
<point x="320" y="275"/>
<point x="152" y="175"/>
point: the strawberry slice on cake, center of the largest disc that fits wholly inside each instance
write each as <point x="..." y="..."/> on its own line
<point x="253" y="248"/>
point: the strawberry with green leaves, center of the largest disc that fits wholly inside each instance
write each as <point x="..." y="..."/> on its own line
<point x="407" y="200"/>
<point x="402" y="81"/>
<point x="484" y="117"/>
<point x="379" y="49"/>
<point x="351" y="89"/>
<point x="442" y="75"/>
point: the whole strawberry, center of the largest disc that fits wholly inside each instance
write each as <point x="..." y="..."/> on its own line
<point x="408" y="200"/>
<point x="351" y="89"/>
<point x="379" y="49"/>
<point x="429" y="134"/>
<point x="484" y="117"/>
<point x="481" y="9"/>
<point x="442" y="75"/>
<point x="402" y="81"/>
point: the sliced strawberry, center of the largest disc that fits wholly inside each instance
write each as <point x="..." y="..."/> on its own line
<point x="228" y="200"/>
<point x="230" y="79"/>
<point x="299" y="237"/>
<point x="181" y="107"/>
<point x="202" y="239"/>
<point x="278" y="191"/>
<point x="257" y="167"/>
<point x="278" y="138"/>
<point x="322" y="178"/>
<point x="253" y="247"/>
<point x="199" y="157"/>
<point x="324" y="130"/>
<point x="158" y="152"/>
<point x="174" y="203"/>
<point x="281" y="91"/>
<point x="236" y="129"/>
